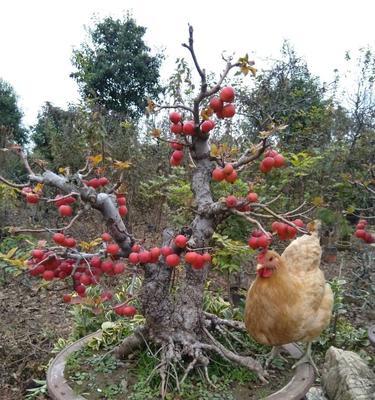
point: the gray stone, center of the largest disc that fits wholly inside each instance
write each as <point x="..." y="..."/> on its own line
<point x="316" y="393"/>
<point x="347" y="377"/>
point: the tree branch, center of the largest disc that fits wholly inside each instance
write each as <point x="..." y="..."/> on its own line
<point x="14" y="185"/>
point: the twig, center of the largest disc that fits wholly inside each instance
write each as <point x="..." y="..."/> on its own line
<point x="246" y="159"/>
<point x="178" y="106"/>
<point x="14" y="185"/>
<point x="72" y="194"/>
<point x="248" y="218"/>
<point x="64" y="228"/>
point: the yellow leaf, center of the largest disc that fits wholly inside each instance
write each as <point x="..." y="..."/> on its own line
<point x="234" y="151"/>
<point x="122" y="164"/>
<point x="206" y="113"/>
<point x="87" y="246"/>
<point x="11" y="252"/>
<point x="62" y="170"/>
<point x="126" y="124"/>
<point x="95" y="160"/>
<point x="318" y="201"/>
<point x="38" y="188"/>
<point x="350" y="209"/>
<point x="214" y="150"/>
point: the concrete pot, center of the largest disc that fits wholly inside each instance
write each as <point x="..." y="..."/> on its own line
<point x="58" y="389"/>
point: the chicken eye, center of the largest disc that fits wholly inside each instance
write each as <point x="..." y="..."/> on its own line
<point x="271" y="258"/>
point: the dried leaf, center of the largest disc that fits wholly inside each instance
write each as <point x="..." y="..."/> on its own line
<point x="253" y="70"/>
<point x="150" y="106"/>
<point x="122" y="164"/>
<point x="95" y="160"/>
<point x="155" y="133"/>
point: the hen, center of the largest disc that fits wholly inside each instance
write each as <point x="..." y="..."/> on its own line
<point x="289" y="300"/>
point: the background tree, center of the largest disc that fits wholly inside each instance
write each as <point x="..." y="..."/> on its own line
<point x="116" y="68"/>
<point x="10" y="115"/>
<point x="287" y="93"/>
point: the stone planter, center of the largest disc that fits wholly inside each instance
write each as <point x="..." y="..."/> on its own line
<point x="330" y="254"/>
<point x="371" y="335"/>
<point x="58" y="389"/>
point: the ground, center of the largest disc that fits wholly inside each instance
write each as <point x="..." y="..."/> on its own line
<point x="32" y="320"/>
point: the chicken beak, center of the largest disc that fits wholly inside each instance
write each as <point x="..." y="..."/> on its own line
<point x="259" y="266"/>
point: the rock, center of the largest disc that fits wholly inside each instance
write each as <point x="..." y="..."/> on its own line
<point x="315" y="393"/>
<point x="347" y="377"/>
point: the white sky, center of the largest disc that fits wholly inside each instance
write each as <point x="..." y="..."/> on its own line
<point x="37" y="36"/>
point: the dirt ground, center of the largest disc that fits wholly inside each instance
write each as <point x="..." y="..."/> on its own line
<point x="32" y="320"/>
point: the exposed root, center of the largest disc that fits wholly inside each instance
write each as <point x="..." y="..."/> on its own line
<point x="247" y="362"/>
<point x="132" y="343"/>
<point x="180" y="347"/>
<point x="188" y="369"/>
<point x="213" y="319"/>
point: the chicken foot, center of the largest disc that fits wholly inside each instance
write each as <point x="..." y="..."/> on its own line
<point x="275" y="352"/>
<point x="307" y="358"/>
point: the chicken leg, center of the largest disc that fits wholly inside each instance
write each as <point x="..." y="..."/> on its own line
<point x="307" y="358"/>
<point x="275" y="352"/>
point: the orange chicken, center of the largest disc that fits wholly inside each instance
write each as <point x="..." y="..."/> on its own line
<point x="289" y="300"/>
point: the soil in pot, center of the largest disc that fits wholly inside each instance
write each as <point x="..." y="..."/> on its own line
<point x="96" y="374"/>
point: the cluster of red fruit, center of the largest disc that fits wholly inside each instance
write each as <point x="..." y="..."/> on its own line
<point x="259" y="239"/>
<point x="362" y="234"/>
<point x="63" y="204"/>
<point x="46" y="264"/>
<point x="241" y="204"/>
<point x="121" y="202"/>
<point x="286" y="231"/>
<point x="31" y="197"/>
<point x="96" y="182"/>
<point x="196" y="260"/>
<point x="222" y="105"/>
<point x="228" y="173"/>
<point x="177" y="155"/>
<point x="272" y="159"/>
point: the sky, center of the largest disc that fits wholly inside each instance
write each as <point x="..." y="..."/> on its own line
<point x="37" y="36"/>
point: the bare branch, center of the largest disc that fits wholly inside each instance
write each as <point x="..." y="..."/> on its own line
<point x="190" y="47"/>
<point x="247" y="362"/>
<point x="72" y="194"/>
<point x="39" y="230"/>
<point x="252" y="220"/>
<point x="14" y="185"/>
<point x="295" y="210"/>
<point x="246" y="158"/>
<point x="280" y="217"/>
<point x="178" y="106"/>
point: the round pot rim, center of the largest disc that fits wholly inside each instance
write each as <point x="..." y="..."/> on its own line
<point x="58" y="388"/>
<point x="371" y="334"/>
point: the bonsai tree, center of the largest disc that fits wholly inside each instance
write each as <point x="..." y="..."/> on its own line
<point x="175" y="320"/>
